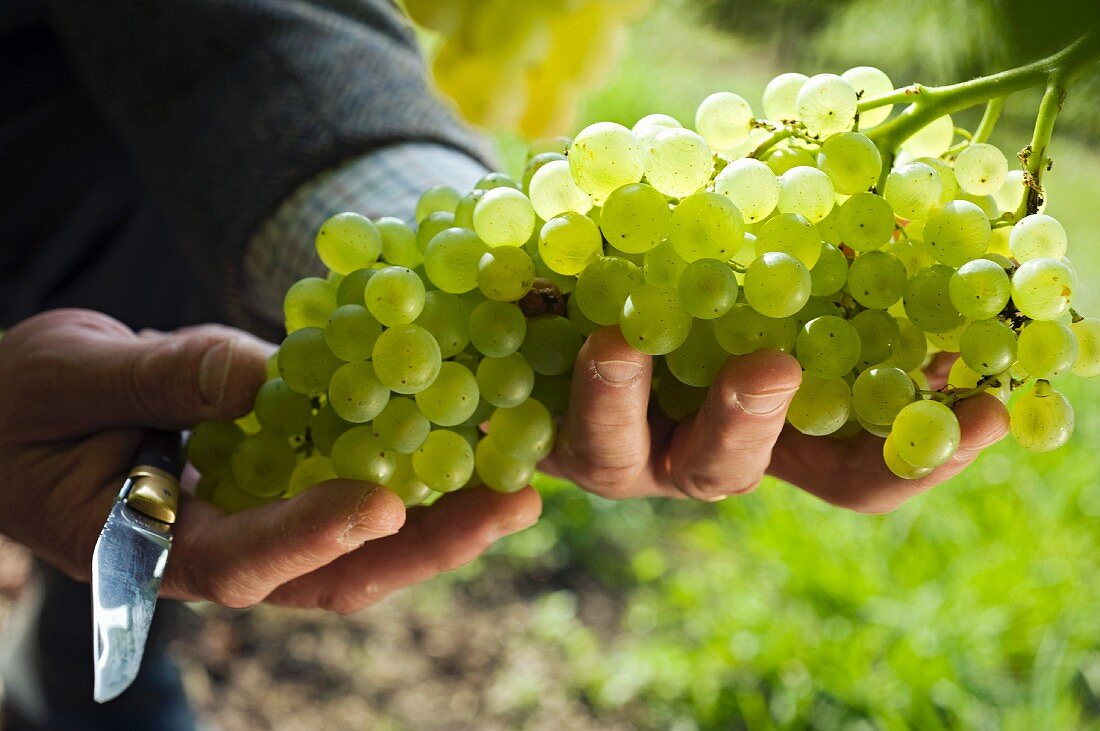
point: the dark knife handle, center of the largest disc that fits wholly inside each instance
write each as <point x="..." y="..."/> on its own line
<point x="155" y="478"/>
<point x="162" y="450"/>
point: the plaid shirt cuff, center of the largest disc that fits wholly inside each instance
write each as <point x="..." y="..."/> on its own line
<point x="385" y="182"/>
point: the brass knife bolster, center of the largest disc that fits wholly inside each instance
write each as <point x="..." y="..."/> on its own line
<point x="154" y="493"/>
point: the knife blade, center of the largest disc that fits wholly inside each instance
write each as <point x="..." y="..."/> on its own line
<point x="129" y="560"/>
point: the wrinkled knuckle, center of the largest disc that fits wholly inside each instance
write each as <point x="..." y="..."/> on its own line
<point x="710" y="486"/>
<point x="223" y="589"/>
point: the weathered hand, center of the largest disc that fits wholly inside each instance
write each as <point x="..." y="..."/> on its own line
<point x="75" y="388"/>
<point x="612" y="444"/>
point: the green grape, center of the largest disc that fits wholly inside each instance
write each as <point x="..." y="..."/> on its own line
<point x="782" y="159"/>
<point x="814" y="308"/>
<point x="398" y="243"/>
<point x="663" y="265"/>
<point x="806" y="191"/>
<point x="880" y="393"/>
<point x="987" y="203"/>
<point x="1042" y="419"/>
<point x="790" y="233"/>
<point x="1046" y="349"/>
<point x="1038" y="236"/>
<point x="928" y="303"/>
<point x="261" y="464"/>
<point x="925" y="434"/>
<point x="1042" y="289"/>
<point x="826" y="104"/>
<point x="911" y="348"/>
<point x="820" y="406"/>
<point x="828" y="228"/>
<point x="603" y="157"/>
<point x="232" y="499"/>
<point x="912" y="253"/>
<point x="724" y="120"/>
<point x="406" y="358"/>
<point x="899" y="466"/>
<point x="211" y="446"/>
<point x="309" y="472"/>
<point x="580" y="322"/>
<point x="280" y="410"/>
<point x="554" y="192"/>
<point x="464" y="212"/>
<point x="777" y="284"/>
<point x="551" y="345"/>
<point x="347" y="242"/>
<point x="651" y="125"/>
<point x="988" y="346"/>
<point x="706" y="225"/>
<point x="603" y="287"/>
<point x="827" y="347"/>
<point x="437" y="198"/>
<point x="395" y="296"/>
<point x="452" y="398"/>
<point x="405" y="484"/>
<point x="432" y="226"/>
<point x="352" y="288"/>
<point x="493" y="180"/>
<point x="957" y="233"/>
<point x="538" y="162"/>
<point x="504" y="217"/>
<point x="931" y="140"/>
<point x="506" y="381"/>
<point x="500" y="472"/>
<point x="305" y="361"/>
<point x="1008" y="195"/>
<point x="445" y="462"/>
<point x="678" y="162"/>
<point x="567" y="243"/>
<point x="325" y="427"/>
<point x="452" y="258"/>
<point x="948" y="183"/>
<point x="553" y="393"/>
<point x="948" y="342"/>
<point x="879" y="336"/>
<point x="851" y="161"/>
<point x="699" y="358"/>
<point x="445" y="316"/>
<point x="678" y="400"/>
<point x="829" y="274"/>
<point x="401" y="426"/>
<point x="979" y="289"/>
<point x="1087" y="333"/>
<point x="505" y="274"/>
<point x="635" y="218"/>
<point x="248" y="423"/>
<point x="653" y="320"/>
<point x="870" y="83"/>
<point x="708" y="288"/>
<point x="780" y="95"/>
<point x="360" y="455"/>
<point x="877" y="279"/>
<point x="351" y="332"/>
<point x="745" y="254"/>
<point x="865" y="222"/>
<point x="525" y="431"/>
<point x="751" y="186"/>
<point x="356" y="394"/>
<point x="963" y="377"/>
<point x="308" y="303"/>
<point x="914" y="190"/>
<point x="497" y="329"/>
<point x="743" y="330"/>
<point x="980" y="169"/>
<point x="271" y="366"/>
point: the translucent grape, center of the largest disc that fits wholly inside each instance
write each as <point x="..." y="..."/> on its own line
<point x="360" y="455"/>
<point x="1008" y="195"/>
<point x="826" y="105"/>
<point x="401" y="426"/>
<point x="708" y="288"/>
<point x="782" y="159"/>
<point x="870" y="82"/>
<point x="445" y="316"/>
<point x="932" y="140"/>
<point x="806" y="191"/>
<point x="699" y="358"/>
<point x="880" y="393"/>
<point x="964" y="377"/>
<point x="777" y="284"/>
<point x="347" y="242"/>
<point x="979" y="289"/>
<point x="790" y="233"/>
<point x="928" y="302"/>
<point x="554" y="192"/>
<point x="305" y="362"/>
<point x="653" y="320"/>
<point x="538" y="162"/>
<point x="751" y="186"/>
<point x="524" y="432"/>
<point x="1087" y="333"/>
<point x="452" y="258"/>
<point x="353" y="287"/>
<point x="603" y="287"/>
<point x="1038" y="236"/>
<point x="706" y="225"/>
<point x="879" y="335"/>
<point x="445" y="462"/>
<point x="914" y="190"/>
<point x="877" y="279"/>
<point x="603" y="157"/>
<point x="852" y="162"/>
<point x="506" y="381"/>
<point x="406" y="358"/>
<point x="395" y="296"/>
<point x="211" y="446"/>
<point x="451" y="398"/>
<point x="898" y="466"/>
<point x="911" y="348"/>
<point x="1042" y="419"/>
<point x="820" y="406"/>
<point x="980" y="169"/>
<point x="743" y="330"/>
<point x="261" y="464"/>
<point x="988" y="346"/>
<point x="309" y="472"/>
<point x="830" y="272"/>
<point x="816" y="307"/>
<point x="724" y="120"/>
<point x="678" y="162"/>
<point x="635" y="218"/>
<point x="505" y="274"/>
<point x="551" y="345"/>
<point x="504" y="217"/>
<point x="925" y="434"/>
<point x="282" y="411"/>
<point x="865" y="222"/>
<point x="437" y="198"/>
<point x="1046" y="349"/>
<point x="651" y="125"/>
<point x="308" y="303"/>
<point x="405" y="484"/>
<point x="1042" y="289"/>
<point x="464" y="213"/>
<point x="828" y="347"/>
<point x="356" y="394"/>
<point x="492" y="180"/>
<point x="569" y="242"/>
<point x="497" y="329"/>
<point x="781" y="94"/>
<point x="499" y="471"/>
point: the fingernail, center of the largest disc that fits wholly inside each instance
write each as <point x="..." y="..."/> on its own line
<point x="366" y="525"/>
<point x="617" y="372"/>
<point x="514" y="525"/>
<point x="214" y="372"/>
<point x="763" y="403"/>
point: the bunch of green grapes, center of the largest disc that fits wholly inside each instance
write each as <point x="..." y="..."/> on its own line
<point x="510" y="65"/>
<point x="436" y="354"/>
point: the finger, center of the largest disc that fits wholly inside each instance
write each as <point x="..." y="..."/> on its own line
<point x="851" y="472"/>
<point x="237" y="560"/>
<point x="604" y="443"/>
<point x="105" y="375"/>
<point x="727" y="446"/>
<point x="448" y="534"/>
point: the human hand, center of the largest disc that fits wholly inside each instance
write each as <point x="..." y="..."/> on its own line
<point x="612" y="444"/>
<point x="75" y="389"/>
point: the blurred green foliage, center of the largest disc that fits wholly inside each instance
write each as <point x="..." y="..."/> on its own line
<point x="972" y="607"/>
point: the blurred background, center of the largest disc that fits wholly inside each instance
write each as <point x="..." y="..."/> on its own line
<point x="974" y="606"/>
